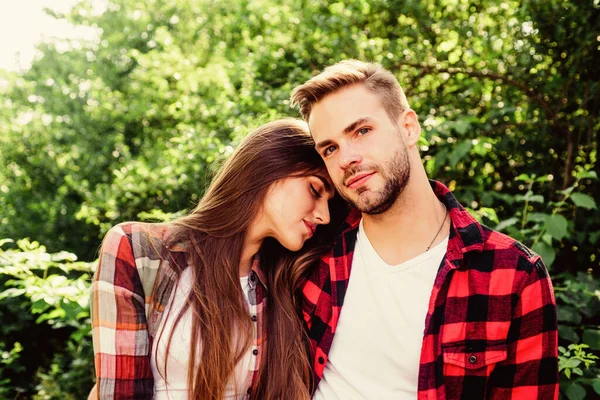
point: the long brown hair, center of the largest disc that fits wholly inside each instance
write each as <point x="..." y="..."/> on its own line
<point x="216" y="230"/>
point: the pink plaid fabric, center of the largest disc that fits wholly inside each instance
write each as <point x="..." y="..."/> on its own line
<point x="130" y="290"/>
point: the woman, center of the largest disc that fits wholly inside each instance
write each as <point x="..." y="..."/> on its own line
<point x="218" y="283"/>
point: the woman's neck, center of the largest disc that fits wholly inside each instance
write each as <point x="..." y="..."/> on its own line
<point x="251" y="246"/>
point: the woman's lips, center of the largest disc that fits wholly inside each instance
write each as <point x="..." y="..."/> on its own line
<point x="311" y="228"/>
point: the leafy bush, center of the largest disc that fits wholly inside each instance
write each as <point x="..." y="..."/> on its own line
<point x="55" y="287"/>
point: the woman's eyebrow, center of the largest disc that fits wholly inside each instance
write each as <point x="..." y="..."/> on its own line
<point x="325" y="183"/>
<point x="327" y="186"/>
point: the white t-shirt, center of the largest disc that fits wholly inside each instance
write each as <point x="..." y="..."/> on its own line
<point x="377" y="344"/>
<point x="176" y="387"/>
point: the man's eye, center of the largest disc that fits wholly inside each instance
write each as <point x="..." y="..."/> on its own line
<point x="363" y="131"/>
<point x="329" y="150"/>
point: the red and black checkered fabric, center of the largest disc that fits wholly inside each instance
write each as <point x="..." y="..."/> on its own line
<point x="491" y="326"/>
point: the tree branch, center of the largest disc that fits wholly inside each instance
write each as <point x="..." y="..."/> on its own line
<point x="529" y="91"/>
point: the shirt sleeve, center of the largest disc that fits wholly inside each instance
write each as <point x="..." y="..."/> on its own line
<point x="119" y="327"/>
<point x="531" y="371"/>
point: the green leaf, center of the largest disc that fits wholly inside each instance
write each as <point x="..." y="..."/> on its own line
<point x="556" y="225"/>
<point x="569" y="314"/>
<point x="337" y="8"/>
<point x="588" y="175"/>
<point x="545" y="251"/>
<point x="39" y="306"/>
<point x="537" y="217"/>
<point x="578" y="371"/>
<point x="584" y="201"/>
<point x="596" y="386"/>
<point x="488" y="213"/>
<point x="573" y="363"/>
<point x="440" y="159"/>
<point x="4" y="241"/>
<point x="575" y="392"/>
<point x="536" y="198"/>
<point x="57" y="313"/>
<point x="547" y="238"/>
<point x="70" y="309"/>
<point x="591" y="337"/>
<point x="12" y="292"/>
<point x="459" y="152"/>
<point x="506" y="223"/>
<point x="594" y="236"/>
<point x="567" y="333"/>
<point x="462" y="126"/>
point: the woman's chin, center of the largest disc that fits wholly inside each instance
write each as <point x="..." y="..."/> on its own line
<point x="294" y="245"/>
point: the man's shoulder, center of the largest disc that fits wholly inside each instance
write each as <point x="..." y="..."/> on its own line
<point x="504" y="251"/>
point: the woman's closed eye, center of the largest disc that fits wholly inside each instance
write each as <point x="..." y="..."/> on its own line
<point x="315" y="192"/>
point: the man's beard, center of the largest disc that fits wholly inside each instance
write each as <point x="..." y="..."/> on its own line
<point x="396" y="176"/>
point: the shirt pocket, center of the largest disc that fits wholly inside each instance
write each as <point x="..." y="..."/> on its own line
<point x="475" y="357"/>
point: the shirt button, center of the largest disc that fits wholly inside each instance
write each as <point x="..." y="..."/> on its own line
<point x="473" y="359"/>
<point x="254" y="318"/>
<point x="255" y="351"/>
<point x="321" y="360"/>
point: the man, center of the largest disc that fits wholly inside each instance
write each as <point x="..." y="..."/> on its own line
<point x="416" y="299"/>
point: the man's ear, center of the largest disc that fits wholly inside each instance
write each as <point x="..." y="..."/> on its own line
<point x="410" y="122"/>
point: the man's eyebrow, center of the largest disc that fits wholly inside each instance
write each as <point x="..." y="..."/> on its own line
<point x="346" y="130"/>
<point x="355" y="124"/>
<point x="322" y="144"/>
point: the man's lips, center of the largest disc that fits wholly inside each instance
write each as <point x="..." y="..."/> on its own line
<point x="311" y="228"/>
<point x="358" y="180"/>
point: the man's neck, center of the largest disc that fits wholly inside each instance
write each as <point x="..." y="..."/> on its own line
<point x="409" y="226"/>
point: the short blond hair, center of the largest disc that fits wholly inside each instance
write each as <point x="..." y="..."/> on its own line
<point x="350" y="72"/>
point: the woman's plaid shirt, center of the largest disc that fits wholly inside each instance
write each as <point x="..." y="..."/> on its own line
<point x="491" y="325"/>
<point x="131" y="287"/>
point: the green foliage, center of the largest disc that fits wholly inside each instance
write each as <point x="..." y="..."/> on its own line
<point x="541" y="224"/>
<point x="129" y="126"/>
<point x="56" y="288"/>
<point x="568" y="362"/>
<point x="7" y="359"/>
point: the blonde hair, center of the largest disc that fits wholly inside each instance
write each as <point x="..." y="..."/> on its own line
<point x="350" y="72"/>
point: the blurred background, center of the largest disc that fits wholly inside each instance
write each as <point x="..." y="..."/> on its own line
<point x="117" y="110"/>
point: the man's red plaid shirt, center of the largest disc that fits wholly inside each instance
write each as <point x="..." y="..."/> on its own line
<point x="491" y="326"/>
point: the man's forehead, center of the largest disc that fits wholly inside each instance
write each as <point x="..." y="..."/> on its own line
<point x="337" y="110"/>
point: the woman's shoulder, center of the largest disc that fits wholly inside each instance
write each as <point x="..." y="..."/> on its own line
<point x="147" y="229"/>
<point x="144" y="239"/>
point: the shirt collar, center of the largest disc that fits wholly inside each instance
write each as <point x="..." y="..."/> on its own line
<point x="257" y="272"/>
<point x="466" y="233"/>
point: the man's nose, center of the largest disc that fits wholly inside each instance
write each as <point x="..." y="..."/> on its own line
<point x="349" y="156"/>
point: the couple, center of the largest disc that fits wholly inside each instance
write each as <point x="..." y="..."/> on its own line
<point x="273" y="288"/>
